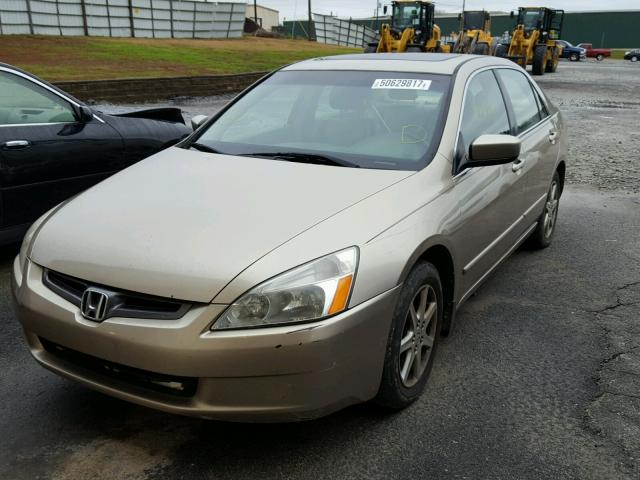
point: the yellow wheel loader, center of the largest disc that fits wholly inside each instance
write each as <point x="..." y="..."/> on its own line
<point x="534" y="39"/>
<point x="475" y="36"/>
<point x="412" y="29"/>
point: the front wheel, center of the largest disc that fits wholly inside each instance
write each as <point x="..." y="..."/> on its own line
<point x="634" y="59"/>
<point x="501" y="51"/>
<point x="543" y="234"/>
<point x="539" y="60"/>
<point x="413" y="338"/>
<point x="370" y="49"/>
<point x="574" y="57"/>
<point x="599" y="57"/>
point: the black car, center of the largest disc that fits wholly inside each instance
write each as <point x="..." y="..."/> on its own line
<point x="633" y="55"/>
<point x="53" y="146"/>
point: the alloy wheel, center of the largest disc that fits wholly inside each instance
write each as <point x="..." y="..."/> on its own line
<point x="551" y="209"/>
<point x="418" y="335"/>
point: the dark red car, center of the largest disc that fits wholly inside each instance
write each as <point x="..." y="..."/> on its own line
<point x="597" y="53"/>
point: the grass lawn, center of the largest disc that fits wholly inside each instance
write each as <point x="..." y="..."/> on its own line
<point x="91" y="58"/>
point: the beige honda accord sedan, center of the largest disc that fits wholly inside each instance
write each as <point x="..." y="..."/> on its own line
<point x="306" y="247"/>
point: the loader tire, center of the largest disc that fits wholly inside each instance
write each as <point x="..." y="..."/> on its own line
<point x="370" y="49"/>
<point x="539" y="60"/>
<point x="414" y="50"/>
<point x="501" y="51"/>
<point x="552" y="65"/>
<point x="481" y="49"/>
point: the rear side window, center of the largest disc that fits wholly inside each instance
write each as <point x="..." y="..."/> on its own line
<point x="484" y="110"/>
<point x="521" y="95"/>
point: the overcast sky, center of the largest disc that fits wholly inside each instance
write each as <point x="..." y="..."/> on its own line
<point x="290" y="9"/>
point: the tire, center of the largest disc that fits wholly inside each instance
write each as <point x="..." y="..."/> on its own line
<point x="552" y="65"/>
<point x="404" y="376"/>
<point x="543" y="234"/>
<point x="634" y="58"/>
<point x="481" y="49"/>
<point x="599" y="57"/>
<point x="414" y="49"/>
<point x="501" y="51"/>
<point x="539" y="60"/>
<point x="370" y="49"/>
<point x="574" y="57"/>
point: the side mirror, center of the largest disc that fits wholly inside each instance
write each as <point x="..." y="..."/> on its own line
<point x="84" y="113"/>
<point x="384" y="9"/>
<point x="197" y="121"/>
<point x="493" y="150"/>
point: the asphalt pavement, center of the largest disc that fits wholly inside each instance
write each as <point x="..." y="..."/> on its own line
<point x="540" y="379"/>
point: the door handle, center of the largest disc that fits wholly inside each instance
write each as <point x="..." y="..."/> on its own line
<point x="517" y="165"/>
<point x="16" y="144"/>
<point x="553" y="135"/>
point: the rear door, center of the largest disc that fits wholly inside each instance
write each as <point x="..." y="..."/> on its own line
<point x="46" y="153"/>
<point x="491" y="198"/>
<point x="538" y="132"/>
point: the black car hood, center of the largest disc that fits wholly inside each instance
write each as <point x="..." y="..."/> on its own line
<point x="168" y="114"/>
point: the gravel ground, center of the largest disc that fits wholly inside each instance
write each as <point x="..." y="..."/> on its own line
<point x="601" y="101"/>
<point x="539" y="380"/>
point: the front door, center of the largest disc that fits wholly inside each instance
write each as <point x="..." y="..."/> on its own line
<point x="491" y="198"/>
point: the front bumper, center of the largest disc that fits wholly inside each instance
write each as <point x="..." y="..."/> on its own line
<point x="271" y="374"/>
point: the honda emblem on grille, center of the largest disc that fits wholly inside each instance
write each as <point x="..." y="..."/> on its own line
<point x="94" y="304"/>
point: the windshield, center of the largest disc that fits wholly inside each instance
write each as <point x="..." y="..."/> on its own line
<point x="383" y="120"/>
<point x="406" y="16"/>
<point x="530" y="19"/>
<point x="473" y="20"/>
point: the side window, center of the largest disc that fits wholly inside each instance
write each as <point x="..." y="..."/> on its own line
<point x="544" y="112"/>
<point x="484" y="111"/>
<point x="24" y="102"/>
<point x="523" y="101"/>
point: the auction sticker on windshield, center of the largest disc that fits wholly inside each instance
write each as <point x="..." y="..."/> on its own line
<point x="403" y="83"/>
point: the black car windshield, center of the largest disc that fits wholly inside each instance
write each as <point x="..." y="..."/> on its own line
<point x="385" y="120"/>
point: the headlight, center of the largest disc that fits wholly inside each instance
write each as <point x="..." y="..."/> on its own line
<point x="627" y="53"/>
<point x="28" y="237"/>
<point x="309" y="292"/>
<point x="26" y="243"/>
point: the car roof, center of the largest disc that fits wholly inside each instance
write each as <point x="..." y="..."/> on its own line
<point x="439" y="63"/>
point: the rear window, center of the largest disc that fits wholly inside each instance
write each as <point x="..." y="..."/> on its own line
<point x="382" y="120"/>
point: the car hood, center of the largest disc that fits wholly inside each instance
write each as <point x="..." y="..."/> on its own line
<point x="183" y="224"/>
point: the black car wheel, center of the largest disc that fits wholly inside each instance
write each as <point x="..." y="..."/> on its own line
<point x="413" y="338"/>
<point x="574" y="57"/>
<point x="634" y="58"/>
<point x="599" y="57"/>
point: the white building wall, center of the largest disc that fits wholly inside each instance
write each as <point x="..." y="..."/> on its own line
<point x="267" y="17"/>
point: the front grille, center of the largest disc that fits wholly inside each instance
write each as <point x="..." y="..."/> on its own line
<point x="157" y="382"/>
<point x="122" y="303"/>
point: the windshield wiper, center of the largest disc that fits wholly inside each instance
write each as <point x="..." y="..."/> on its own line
<point x="204" y="148"/>
<point x="305" y="158"/>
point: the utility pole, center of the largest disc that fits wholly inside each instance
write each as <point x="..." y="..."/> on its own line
<point x="309" y="22"/>
<point x="462" y="16"/>
<point x="255" y="11"/>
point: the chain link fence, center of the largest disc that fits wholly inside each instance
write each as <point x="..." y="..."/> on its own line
<point x="123" y="18"/>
